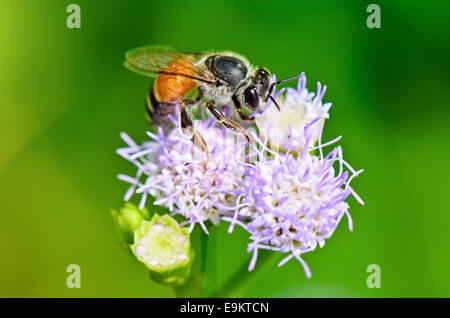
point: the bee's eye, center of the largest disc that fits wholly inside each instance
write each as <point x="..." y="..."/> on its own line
<point x="251" y="98"/>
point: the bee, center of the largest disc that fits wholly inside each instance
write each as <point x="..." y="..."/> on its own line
<point x="221" y="78"/>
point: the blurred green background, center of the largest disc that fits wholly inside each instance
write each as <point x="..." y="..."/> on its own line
<point x="65" y="97"/>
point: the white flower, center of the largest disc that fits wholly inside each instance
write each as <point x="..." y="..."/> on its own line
<point x="297" y="109"/>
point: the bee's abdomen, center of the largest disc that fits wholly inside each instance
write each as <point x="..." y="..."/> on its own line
<point x="167" y="91"/>
<point x="173" y="88"/>
<point x="158" y="111"/>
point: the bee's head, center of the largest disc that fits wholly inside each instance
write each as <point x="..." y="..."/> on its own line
<point x="256" y="94"/>
<point x="260" y="90"/>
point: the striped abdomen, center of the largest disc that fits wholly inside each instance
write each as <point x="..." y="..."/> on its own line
<point x="167" y="91"/>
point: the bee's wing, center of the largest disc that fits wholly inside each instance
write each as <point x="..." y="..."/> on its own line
<point x="155" y="59"/>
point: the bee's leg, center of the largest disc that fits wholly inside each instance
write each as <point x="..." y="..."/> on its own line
<point x="191" y="101"/>
<point x="239" y="110"/>
<point x="187" y="127"/>
<point x="220" y="116"/>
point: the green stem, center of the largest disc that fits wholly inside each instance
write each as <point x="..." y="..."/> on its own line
<point x="209" y="265"/>
<point x="231" y="287"/>
<point x="204" y="248"/>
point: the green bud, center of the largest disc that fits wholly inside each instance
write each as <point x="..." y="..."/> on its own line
<point x="128" y="220"/>
<point x="165" y="249"/>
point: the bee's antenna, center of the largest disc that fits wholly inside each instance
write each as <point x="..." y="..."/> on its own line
<point x="289" y="79"/>
<point x="281" y="82"/>
<point x="273" y="100"/>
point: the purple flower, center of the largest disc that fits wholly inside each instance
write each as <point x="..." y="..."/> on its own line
<point x="182" y="177"/>
<point x="293" y="201"/>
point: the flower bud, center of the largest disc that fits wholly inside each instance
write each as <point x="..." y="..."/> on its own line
<point x="165" y="249"/>
<point x="128" y="220"/>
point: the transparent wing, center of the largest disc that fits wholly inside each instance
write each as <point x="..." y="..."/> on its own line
<point x="156" y="59"/>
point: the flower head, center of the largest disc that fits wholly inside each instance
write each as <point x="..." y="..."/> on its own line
<point x="297" y="109"/>
<point x="182" y="177"/>
<point x="293" y="201"/>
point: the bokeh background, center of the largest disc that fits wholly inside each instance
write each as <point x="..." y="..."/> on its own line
<point x="65" y="97"/>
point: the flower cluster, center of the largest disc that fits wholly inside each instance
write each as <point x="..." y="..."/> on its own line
<point x="293" y="201"/>
<point x="282" y="189"/>
<point x="183" y="178"/>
